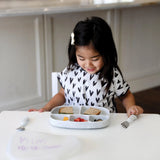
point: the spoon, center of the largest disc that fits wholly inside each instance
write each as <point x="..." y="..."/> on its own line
<point x="23" y="124"/>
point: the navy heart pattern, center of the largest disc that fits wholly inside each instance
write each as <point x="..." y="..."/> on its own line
<point x="82" y="88"/>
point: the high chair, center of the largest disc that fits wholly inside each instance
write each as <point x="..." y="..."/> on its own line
<point x="54" y="83"/>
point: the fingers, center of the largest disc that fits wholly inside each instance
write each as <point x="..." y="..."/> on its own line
<point x="40" y="110"/>
<point x="136" y="110"/>
<point x="140" y="110"/>
<point x="31" y="110"/>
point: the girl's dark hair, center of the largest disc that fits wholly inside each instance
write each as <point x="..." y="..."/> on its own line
<point x="96" y="31"/>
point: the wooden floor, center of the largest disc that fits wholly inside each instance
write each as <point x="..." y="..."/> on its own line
<point x="148" y="99"/>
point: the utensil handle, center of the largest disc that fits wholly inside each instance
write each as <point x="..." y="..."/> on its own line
<point x="131" y="118"/>
<point x="25" y="121"/>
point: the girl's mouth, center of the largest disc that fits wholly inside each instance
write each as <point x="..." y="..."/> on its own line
<point x="91" y="70"/>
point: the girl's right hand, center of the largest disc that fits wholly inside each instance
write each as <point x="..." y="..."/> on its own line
<point x="39" y="110"/>
<point x="136" y="110"/>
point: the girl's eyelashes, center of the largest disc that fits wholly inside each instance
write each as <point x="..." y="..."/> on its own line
<point x="81" y="59"/>
<point x="95" y="59"/>
<point x="91" y="60"/>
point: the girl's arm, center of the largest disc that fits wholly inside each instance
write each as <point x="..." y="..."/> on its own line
<point x="128" y="102"/>
<point x="57" y="100"/>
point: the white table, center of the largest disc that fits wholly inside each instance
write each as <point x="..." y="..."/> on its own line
<point x="141" y="141"/>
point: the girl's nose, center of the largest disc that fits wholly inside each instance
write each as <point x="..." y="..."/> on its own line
<point x="88" y="63"/>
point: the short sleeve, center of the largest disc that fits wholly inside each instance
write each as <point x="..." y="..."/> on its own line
<point x="120" y="85"/>
<point x="61" y="77"/>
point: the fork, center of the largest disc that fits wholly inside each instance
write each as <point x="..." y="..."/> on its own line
<point x="126" y="123"/>
<point x="23" y="124"/>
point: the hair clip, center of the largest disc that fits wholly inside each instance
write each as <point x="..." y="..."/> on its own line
<point x="72" y="38"/>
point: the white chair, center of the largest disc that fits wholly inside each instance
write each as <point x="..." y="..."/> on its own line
<point x="54" y="83"/>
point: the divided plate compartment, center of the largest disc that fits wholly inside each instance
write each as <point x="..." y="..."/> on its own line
<point x="91" y="121"/>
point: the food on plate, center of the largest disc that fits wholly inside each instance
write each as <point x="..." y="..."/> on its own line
<point x="92" y="111"/>
<point x="97" y="120"/>
<point x="65" y="119"/>
<point x="80" y="120"/>
<point x="66" y="110"/>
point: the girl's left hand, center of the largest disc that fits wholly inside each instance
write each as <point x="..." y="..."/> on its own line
<point x="136" y="110"/>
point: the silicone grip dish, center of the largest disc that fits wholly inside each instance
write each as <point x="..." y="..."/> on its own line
<point x="91" y="122"/>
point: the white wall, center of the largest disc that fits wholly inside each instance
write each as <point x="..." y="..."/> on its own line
<point x="22" y="62"/>
<point x="140" y="46"/>
<point x="31" y="47"/>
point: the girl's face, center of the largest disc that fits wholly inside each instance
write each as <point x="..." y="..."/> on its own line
<point x="89" y="59"/>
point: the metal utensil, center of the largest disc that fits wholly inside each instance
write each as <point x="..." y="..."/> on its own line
<point x="126" y="123"/>
<point x="23" y="124"/>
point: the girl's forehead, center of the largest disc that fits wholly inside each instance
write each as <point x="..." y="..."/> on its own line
<point x="86" y="51"/>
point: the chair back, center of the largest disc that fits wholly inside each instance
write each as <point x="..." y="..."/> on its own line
<point x="54" y="83"/>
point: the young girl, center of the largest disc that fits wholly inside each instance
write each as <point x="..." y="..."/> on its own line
<point x="92" y="77"/>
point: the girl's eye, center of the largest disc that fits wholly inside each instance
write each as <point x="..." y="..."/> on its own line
<point x="95" y="59"/>
<point x="81" y="59"/>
